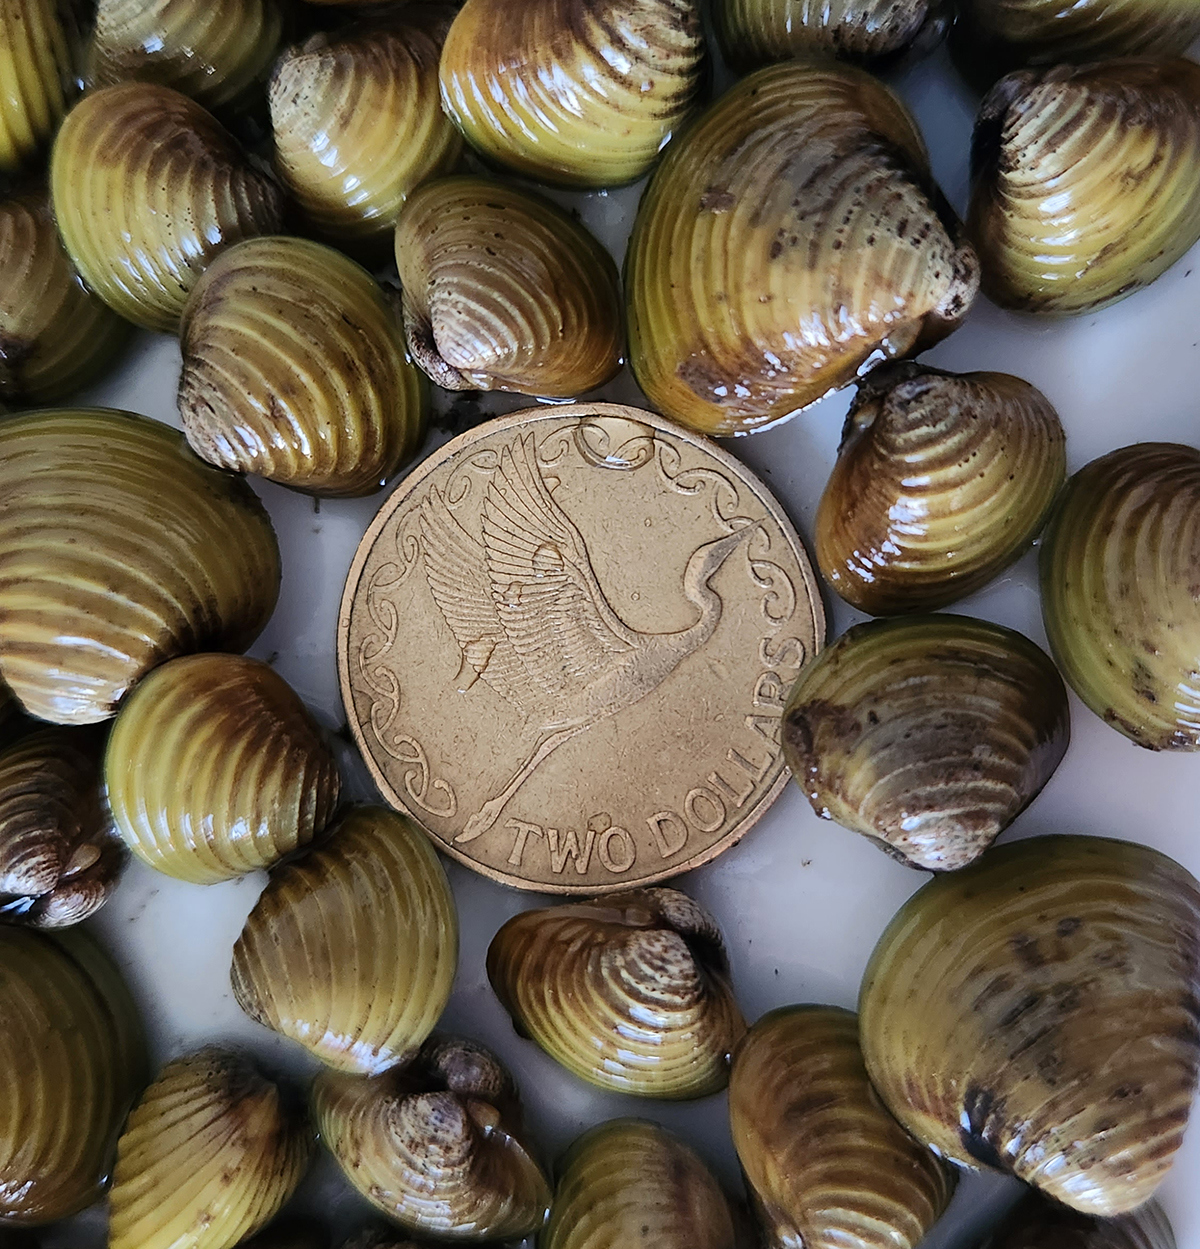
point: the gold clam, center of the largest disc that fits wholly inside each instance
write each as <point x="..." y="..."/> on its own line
<point x="580" y="94"/>
<point x="791" y="238"/>
<point x="437" y="1145"/>
<point x="1050" y="146"/>
<point x="503" y="291"/>
<point x="37" y="72"/>
<point x="629" y="992"/>
<point x="147" y="189"/>
<point x="941" y="481"/>
<point x="880" y="737"/>
<point x="294" y="368"/>
<point x="1040" y="1224"/>
<point x="209" y="1155"/>
<point x="118" y="550"/>
<point x="352" y="950"/>
<point x="1036" y="1013"/>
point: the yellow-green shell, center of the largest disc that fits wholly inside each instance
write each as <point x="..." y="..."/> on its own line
<point x="35" y="78"/>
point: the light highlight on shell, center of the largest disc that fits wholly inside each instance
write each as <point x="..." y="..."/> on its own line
<point x="36" y="69"/>
<point x="1036" y="1013"/>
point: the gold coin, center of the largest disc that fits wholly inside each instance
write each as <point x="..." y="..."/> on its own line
<point x="566" y="642"/>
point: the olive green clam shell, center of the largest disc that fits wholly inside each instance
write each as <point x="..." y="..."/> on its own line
<point x="631" y="992"/>
<point x="119" y="549"/>
<point x="1050" y="146"/>
<point x="1036" y="1013"/>
<point x="352" y="949"/>
<point x="294" y="368"/>
<point x="880" y="735"/>
<point x="941" y="482"/>
<point x="1040" y="1224"/>
<point x="1119" y="591"/>
<point x="790" y="237"/>
<point x="209" y="1155"/>
<point x="827" y="1164"/>
<point x="147" y="189"/>
<point x="72" y="1057"/>
<point x="36" y="70"/>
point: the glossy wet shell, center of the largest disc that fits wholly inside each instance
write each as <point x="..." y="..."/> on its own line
<point x="631" y="1182"/>
<point x="294" y="369"/>
<point x="828" y="1165"/>
<point x="113" y="534"/>
<point x="631" y="992"/>
<point x="208" y="1156"/>
<point x="147" y="189"/>
<point x="583" y="94"/>
<point x="941" y="482"/>
<point x="1119" y="590"/>
<point x="36" y="69"/>
<point x="55" y="336"/>
<point x="71" y="1059"/>
<point x="1049" y="148"/>
<point x="352" y="949"/>
<point x="791" y="236"/>
<point x="1037" y="1013"/>
<point x="1040" y="1224"/>
<point x="929" y="735"/>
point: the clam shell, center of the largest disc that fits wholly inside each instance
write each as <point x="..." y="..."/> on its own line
<point x="582" y="95"/>
<point x="55" y="335"/>
<point x="71" y="1059"/>
<point x="215" y="768"/>
<point x="1118" y="574"/>
<point x="630" y="1182"/>
<point x="147" y="189"/>
<point x="1040" y="1224"/>
<point x="629" y="992"/>
<point x="352" y="949"/>
<point x="209" y="1155"/>
<point x="503" y="291"/>
<point x="1036" y="1013"/>
<point x="437" y="1146"/>
<point x="118" y="550"/>
<point x="827" y="1164"/>
<point x="36" y="69"/>
<point x="790" y="238"/>
<point x="294" y="368"/>
<point x="1050" y="146"/>
<point x="941" y="482"/>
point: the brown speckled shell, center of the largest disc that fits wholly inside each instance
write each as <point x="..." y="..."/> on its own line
<point x="1040" y="1224"/>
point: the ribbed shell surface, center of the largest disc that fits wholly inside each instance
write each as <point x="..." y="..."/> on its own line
<point x="294" y="368"/>
<point x="147" y="189"/>
<point x="208" y="1156"/>
<point x="72" y="1058"/>
<point x="579" y="92"/>
<point x="631" y="993"/>
<point x="941" y="482"/>
<point x="792" y="235"/>
<point x="828" y="1165"/>
<point x="1119" y="591"/>
<point x="1050" y="146"/>
<point x="928" y="734"/>
<point x="1040" y="1224"/>
<point x="1038" y="1013"/>
<point x="351" y="950"/>
<point x="35" y="78"/>
<point x="119" y="549"/>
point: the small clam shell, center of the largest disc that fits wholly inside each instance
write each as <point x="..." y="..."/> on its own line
<point x="209" y="1155"/>
<point x="582" y="94"/>
<point x="1036" y="1013"/>
<point x="790" y="238"/>
<point x="71" y="1059"/>
<point x="628" y="1182"/>
<point x="118" y="550"/>
<point x="881" y="737"/>
<point x="147" y="189"/>
<point x="1117" y="572"/>
<point x="1040" y="1224"/>
<point x="294" y="368"/>
<point x="55" y="335"/>
<point x="941" y="482"/>
<point x="437" y="1146"/>
<point x="503" y="291"/>
<point x="629" y="992"/>
<point x="36" y="70"/>
<point x="352" y="949"/>
<point x="827" y="1164"/>
<point x="1050" y="146"/>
